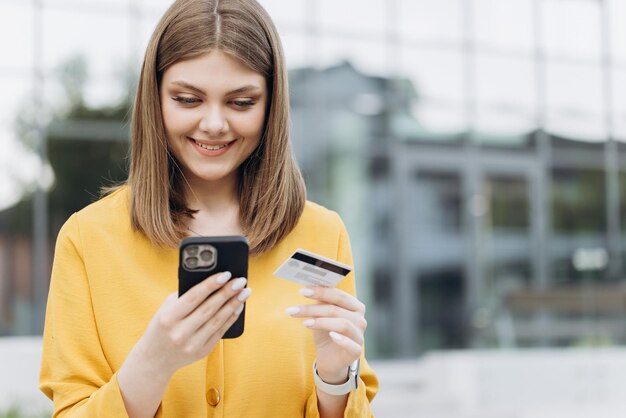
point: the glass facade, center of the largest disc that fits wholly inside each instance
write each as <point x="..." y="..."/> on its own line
<point x="476" y="150"/>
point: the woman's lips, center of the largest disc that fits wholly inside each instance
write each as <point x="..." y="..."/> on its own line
<point x="212" y="149"/>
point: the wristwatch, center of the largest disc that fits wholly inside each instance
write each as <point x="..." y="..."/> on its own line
<point x="342" y="389"/>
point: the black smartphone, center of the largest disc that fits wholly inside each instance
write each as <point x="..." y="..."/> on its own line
<point x="200" y="257"/>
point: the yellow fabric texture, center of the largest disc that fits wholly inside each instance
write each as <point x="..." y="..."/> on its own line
<point x="107" y="283"/>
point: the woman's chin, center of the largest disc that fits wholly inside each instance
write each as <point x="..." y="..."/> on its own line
<point x="212" y="176"/>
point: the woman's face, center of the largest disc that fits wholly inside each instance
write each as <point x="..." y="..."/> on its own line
<point x="214" y="111"/>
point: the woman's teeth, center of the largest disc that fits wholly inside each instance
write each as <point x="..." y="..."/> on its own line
<point x="211" y="147"/>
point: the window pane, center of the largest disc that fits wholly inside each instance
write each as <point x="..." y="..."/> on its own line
<point x="16" y="36"/>
<point x="432" y="20"/>
<point x="297" y="54"/>
<point x="156" y="8"/>
<point x="292" y="12"/>
<point x="619" y="105"/>
<point x="579" y="223"/>
<point x="506" y="249"/>
<point x="18" y="167"/>
<point x="506" y="81"/>
<point x="103" y="41"/>
<point x="439" y="121"/>
<point x="505" y="95"/>
<point x="572" y="27"/>
<point x="504" y="23"/>
<point x="87" y="4"/>
<point x="575" y="103"/>
<point x="367" y="57"/>
<point x="438" y="252"/>
<point x="353" y="15"/>
<point x="435" y="74"/>
<point x="617" y="11"/>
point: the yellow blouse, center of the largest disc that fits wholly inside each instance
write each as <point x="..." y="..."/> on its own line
<point x="108" y="281"/>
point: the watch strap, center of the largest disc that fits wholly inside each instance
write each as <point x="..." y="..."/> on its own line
<point x="338" y="390"/>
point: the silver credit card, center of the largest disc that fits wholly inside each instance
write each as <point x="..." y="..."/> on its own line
<point x="310" y="269"/>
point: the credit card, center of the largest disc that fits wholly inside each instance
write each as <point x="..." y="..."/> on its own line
<point x="310" y="269"/>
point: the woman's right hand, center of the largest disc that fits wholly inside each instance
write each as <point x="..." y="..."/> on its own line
<point x="187" y="329"/>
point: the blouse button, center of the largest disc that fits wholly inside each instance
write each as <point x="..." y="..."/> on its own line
<point x="213" y="396"/>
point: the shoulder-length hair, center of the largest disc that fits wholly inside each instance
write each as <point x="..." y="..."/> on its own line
<point x="271" y="189"/>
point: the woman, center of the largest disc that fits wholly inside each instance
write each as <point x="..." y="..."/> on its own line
<point x="210" y="156"/>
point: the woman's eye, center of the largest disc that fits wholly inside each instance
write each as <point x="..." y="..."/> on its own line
<point x="243" y="103"/>
<point x="185" y="100"/>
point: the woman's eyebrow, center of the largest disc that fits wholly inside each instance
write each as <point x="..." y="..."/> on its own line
<point x="249" y="88"/>
<point x="188" y="86"/>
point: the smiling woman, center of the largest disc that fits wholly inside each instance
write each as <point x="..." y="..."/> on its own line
<point x="213" y="124"/>
<point x="211" y="156"/>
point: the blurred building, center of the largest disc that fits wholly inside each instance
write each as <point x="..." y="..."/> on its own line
<point x="474" y="148"/>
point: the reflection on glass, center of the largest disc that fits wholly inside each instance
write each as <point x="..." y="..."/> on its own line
<point x="619" y="104"/>
<point x="292" y="12"/>
<point x="505" y="81"/>
<point x="571" y="27"/>
<point x="155" y="8"/>
<point x="506" y="255"/>
<point x="441" y="313"/>
<point x="16" y="18"/>
<point x="367" y="57"/>
<point x="437" y="75"/>
<point x="365" y="17"/>
<point x="295" y="48"/>
<point x="504" y="23"/>
<point x="575" y="101"/>
<point x="505" y="99"/>
<point x="436" y="235"/>
<point x="431" y="20"/>
<point x="439" y="122"/>
<point x="579" y="224"/>
<point x="504" y="126"/>
<point x="616" y="12"/>
<point x="98" y="43"/>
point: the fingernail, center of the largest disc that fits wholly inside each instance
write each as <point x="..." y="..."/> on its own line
<point x="245" y="293"/>
<point x="292" y="311"/>
<point x="308" y="322"/>
<point x="335" y="336"/>
<point x="223" y="278"/>
<point x="239" y="283"/>
<point x="306" y="292"/>
<point x="239" y="309"/>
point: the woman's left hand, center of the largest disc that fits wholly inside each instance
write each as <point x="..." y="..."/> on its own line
<point x="338" y="324"/>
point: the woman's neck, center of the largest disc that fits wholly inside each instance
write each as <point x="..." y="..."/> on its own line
<point x="217" y="206"/>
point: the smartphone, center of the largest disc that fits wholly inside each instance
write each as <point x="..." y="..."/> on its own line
<point x="200" y="257"/>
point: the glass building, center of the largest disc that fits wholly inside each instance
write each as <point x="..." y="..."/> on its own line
<point x="474" y="149"/>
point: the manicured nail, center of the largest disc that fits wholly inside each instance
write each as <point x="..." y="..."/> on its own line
<point x="239" y="283"/>
<point x="308" y="322"/>
<point x="239" y="309"/>
<point x="335" y="336"/>
<point x="223" y="278"/>
<point x="306" y="292"/>
<point x="292" y="311"/>
<point x="245" y="293"/>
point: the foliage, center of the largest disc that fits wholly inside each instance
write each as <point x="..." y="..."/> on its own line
<point x="17" y="411"/>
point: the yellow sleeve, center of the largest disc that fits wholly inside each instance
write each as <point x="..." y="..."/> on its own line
<point x="74" y="371"/>
<point x="358" y="405"/>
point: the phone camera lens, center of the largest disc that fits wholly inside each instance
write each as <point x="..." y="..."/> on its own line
<point x="192" y="251"/>
<point x="206" y="256"/>
<point x="191" y="262"/>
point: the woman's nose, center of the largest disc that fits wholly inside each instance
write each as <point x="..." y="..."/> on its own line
<point x="214" y="122"/>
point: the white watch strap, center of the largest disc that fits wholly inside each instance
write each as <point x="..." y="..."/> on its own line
<point x="342" y="389"/>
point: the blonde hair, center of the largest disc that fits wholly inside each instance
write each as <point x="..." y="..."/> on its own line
<point x="271" y="190"/>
